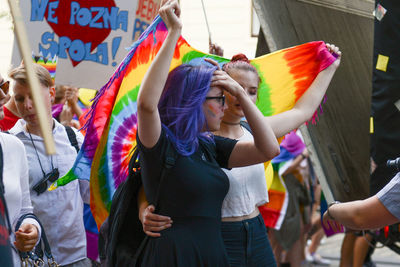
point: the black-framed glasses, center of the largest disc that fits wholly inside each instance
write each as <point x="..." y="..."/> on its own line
<point x="220" y="99"/>
<point x="41" y="186"/>
<point x="5" y="85"/>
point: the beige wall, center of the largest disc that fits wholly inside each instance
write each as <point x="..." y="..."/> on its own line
<point x="229" y="21"/>
<point x="6" y="38"/>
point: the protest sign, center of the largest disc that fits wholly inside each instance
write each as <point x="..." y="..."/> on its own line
<point x="89" y="37"/>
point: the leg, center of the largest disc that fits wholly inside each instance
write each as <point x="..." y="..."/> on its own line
<point x="361" y="247"/>
<point x="315" y="241"/>
<point x="276" y="247"/>
<point x="346" y="259"/>
<point x="261" y="254"/>
<point x="296" y="253"/>
<point x="234" y="235"/>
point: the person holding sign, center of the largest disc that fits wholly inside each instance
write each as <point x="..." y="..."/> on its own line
<point x="61" y="210"/>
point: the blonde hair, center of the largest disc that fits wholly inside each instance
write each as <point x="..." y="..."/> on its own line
<point x="19" y="75"/>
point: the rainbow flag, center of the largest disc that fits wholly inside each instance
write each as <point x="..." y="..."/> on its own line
<point x="111" y="127"/>
<point x="274" y="211"/>
<point x="49" y="63"/>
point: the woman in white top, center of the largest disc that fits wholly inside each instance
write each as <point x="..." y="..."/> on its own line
<point x="16" y="187"/>
<point x="60" y="211"/>
<point x="243" y="229"/>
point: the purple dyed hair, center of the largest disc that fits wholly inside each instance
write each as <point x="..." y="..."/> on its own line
<point x="181" y="106"/>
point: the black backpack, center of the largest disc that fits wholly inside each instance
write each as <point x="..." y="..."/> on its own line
<point x="121" y="237"/>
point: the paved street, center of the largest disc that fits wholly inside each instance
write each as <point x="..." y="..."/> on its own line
<point x="383" y="257"/>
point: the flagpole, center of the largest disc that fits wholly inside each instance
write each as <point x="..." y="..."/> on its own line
<point x="25" y="50"/>
<point x="208" y="27"/>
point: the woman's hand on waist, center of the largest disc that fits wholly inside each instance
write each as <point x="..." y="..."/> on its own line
<point x="153" y="223"/>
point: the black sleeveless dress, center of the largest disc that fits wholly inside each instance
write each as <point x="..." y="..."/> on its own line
<point x="192" y="195"/>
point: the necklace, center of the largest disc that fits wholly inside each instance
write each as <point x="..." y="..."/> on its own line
<point x="37" y="154"/>
<point x="231" y="123"/>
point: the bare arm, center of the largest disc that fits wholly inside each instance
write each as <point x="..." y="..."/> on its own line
<point x="153" y="82"/>
<point x="265" y="145"/>
<point x="305" y="107"/>
<point x="296" y="162"/>
<point x="361" y="214"/>
<point x="71" y="94"/>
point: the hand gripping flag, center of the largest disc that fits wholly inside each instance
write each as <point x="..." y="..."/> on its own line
<point x="112" y="122"/>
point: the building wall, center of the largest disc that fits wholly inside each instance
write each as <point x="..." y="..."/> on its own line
<point x="7" y="38"/>
<point x="229" y="21"/>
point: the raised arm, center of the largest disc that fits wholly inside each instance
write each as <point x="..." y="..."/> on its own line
<point x="265" y="145"/>
<point x="305" y="107"/>
<point x="149" y="124"/>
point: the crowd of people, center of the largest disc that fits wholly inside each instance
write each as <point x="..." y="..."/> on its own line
<point x="209" y="209"/>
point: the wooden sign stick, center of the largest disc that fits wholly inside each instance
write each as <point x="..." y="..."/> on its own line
<point x="26" y="53"/>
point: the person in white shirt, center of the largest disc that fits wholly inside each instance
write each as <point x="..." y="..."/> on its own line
<point x="16" y="188"/>
<point x="61" y="210"/>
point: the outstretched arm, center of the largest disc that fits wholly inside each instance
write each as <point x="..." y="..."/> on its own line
<point x="305" y="107"/>
<point x="357" y="215"/>
<point x="149" y="124"/>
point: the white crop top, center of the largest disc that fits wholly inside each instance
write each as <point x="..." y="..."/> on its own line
<point x="247" y="187"/>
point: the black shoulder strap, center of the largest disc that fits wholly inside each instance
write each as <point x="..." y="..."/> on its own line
<point x="38" y="255"/>
<point x="246" y="125"/>
<point x="2" y="191"/>
<point x="169" y="162"/>
<point x="72" y="138"/>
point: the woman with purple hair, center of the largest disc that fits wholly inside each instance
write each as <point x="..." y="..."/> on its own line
<point x="180" y="110"/>
<point x="243" y="229"/>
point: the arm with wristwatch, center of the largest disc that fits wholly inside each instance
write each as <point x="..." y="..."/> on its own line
<point x="370" y="213"/>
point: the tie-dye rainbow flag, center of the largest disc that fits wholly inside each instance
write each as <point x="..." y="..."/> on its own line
<point x="111" y="128"/>
<point x="274" y="211"/>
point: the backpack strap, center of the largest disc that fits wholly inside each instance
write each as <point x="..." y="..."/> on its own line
<point x="72" y="138"/>
<point x="169" y="162"/>
<point x="246" y="125"/>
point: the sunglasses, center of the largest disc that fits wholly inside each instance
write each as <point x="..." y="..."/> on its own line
<point x="220" y="99"/>
<point x="5" y="85"/>
<point x="41" y="186"/>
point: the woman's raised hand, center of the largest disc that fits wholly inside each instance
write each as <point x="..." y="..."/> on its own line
<point x="335" y="50"/>
<point x="223" y="80"/>
<point x="170" y="13"/>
